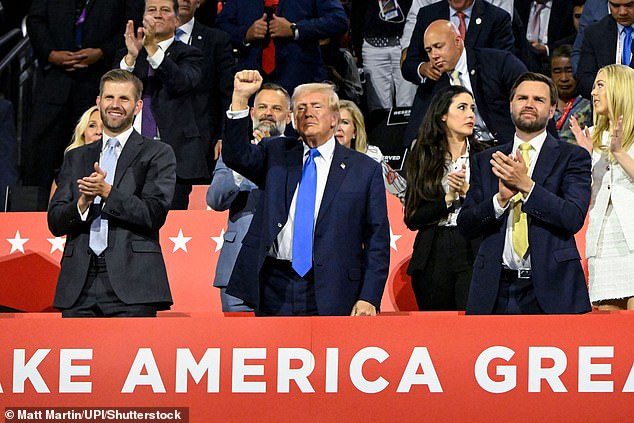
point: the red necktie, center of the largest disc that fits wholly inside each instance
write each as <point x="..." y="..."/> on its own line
<point x="462" y="28"/>
<point x="268" y="52"/>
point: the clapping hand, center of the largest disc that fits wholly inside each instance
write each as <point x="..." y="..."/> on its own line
<point x="581" y="135"/>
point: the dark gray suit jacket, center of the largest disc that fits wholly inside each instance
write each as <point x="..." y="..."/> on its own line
<point x="136" y="208"/>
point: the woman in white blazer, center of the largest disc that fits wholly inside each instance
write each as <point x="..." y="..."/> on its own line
<point x="610" y="234"/>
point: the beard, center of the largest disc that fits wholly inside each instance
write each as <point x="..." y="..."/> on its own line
<point x="114" y="126"/>
<point x="529" y="126"/>
<point x="272" y="128"/>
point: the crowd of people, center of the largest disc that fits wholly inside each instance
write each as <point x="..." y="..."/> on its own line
<point x="497" y="180"/>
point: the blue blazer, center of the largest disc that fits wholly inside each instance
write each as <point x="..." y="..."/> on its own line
<point x="597" y="50"/>
<point x="241" y="201"/>
<point x="351" y="247"/>
<point x="297" y="61"/>
<point x="556" y="211"/>
<point x="492" y="74"/>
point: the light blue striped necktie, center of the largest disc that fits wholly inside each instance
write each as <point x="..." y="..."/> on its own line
<point x="99" y="227"/>
<point x="627" y="46"/>
<point x="305" y="216"/>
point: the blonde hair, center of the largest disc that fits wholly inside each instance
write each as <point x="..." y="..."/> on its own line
<point x="619" y="86"/>
<point x="78" y="136"/>
<point x="327" y="89"/>
<point x="360" y="143"/>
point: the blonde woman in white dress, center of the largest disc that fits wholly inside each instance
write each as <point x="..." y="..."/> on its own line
<point x="610" y="234"/>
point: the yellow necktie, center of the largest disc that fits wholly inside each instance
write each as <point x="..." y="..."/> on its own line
<point x="520" y="220"/>
<point x="455" y="78"/>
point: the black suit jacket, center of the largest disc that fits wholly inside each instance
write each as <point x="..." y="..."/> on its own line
<point x="51" y="26"/>
<point x="136" y="208"/>
<point x="597" y="50"/>
<point x="560" y="26"/>
<point x="425" y="221"/>
<point x="492" y="74"/>
<point x="213" y="95"/>
<point x="173" y="105"/>
<point x="560" y="23"/>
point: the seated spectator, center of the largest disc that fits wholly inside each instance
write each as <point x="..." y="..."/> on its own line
<point x="488" y="73"/>
<point x="569" y="104"/>
<point x="351" y="134"/>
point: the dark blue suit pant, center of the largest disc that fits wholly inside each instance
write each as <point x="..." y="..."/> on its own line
<point x="284" y="293"/>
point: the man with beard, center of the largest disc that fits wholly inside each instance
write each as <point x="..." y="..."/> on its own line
<point x="112" y="198"/>
<point x="527" y="199"/>
<point x="230" y="190"/>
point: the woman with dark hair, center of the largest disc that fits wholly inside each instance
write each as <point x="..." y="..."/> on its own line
<point x="437" y="182"/>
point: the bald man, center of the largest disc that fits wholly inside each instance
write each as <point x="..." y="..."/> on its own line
<point x="488" y="73"/>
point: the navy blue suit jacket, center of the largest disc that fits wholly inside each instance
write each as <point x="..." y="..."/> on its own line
<point x="297" y="61"/>
<point x="351" y="246"/>
<point x="556" y="211"/>
<point x="492" y="74"/>
<point x="597" y="50"/>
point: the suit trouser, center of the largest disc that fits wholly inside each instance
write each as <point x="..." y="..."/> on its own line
<point x="98" y="299"/>
<point x="444" y="283"/>
<point x="516" y="295"/>
<point x="284" y="293"/>
<point x="386" y="85"/>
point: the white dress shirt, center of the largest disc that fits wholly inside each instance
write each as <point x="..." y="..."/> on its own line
<point x="155" y="61"/>
<point x="510" y="259"/>
<point x="123" y="138"/>
<point x="282" y="248"/>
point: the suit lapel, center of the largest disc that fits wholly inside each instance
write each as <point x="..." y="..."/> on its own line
<point x="91" y="156"/>
<point x="475" y="23"/>
<point x="546" y="160"/>
<point x="336" y="175"/>
<point x="294" y="164"/>
<point x="130" y="151"/>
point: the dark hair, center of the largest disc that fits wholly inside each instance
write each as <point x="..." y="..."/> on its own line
<point x="537" y="77"/>
<point x="564" y="50"/>
<point x="427" y="163"/>
<point x="272" y="86"/>
<point x="174" y="6"/>
<point x="576" y="3"/>
<point x="120" y="75"/>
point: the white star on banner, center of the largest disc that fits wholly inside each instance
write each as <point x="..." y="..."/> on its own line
<point x="219" y="240"/>
<point x="17" y="243"/>
<point x="180" y="241"/>
<point x="393" y="239"/>
<point x="57" y="243"/>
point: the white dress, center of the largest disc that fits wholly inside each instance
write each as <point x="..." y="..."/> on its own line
<point x="610" y="235"/>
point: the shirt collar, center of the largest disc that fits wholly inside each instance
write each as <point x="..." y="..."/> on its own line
<point x="165" y="44"/>
<point x="461" y="66"/>
<point x="188" y="27"/>
<point x="326" y="150"/>
<point x="536" y="142"/>
<point x="122" y="137"/>
<point x="467" y="11"/>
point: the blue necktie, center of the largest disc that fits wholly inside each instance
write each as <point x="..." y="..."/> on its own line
<point x="179" y="35"/>
<point x="305" y="216"/>
<point x="99" y="227"/>
<point x="627" y="46"/>
<point x="148" y="123"/>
